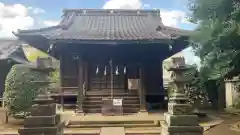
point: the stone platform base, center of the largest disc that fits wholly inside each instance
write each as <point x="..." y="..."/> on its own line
<point x="181" y="130"/>
<point x="58" y="129"/>
<point x="180" y="120"/>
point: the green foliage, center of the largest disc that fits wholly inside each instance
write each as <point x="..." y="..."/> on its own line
<point x="196" y="89"/>
<point x="55" y="77"/>
<point x="20" y="89"/>
<point x="217" y="38"/>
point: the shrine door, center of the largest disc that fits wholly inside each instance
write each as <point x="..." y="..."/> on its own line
<point x="107" y="78"/>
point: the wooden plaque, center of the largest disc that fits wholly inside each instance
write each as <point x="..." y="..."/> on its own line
<point x="133" y="84"/>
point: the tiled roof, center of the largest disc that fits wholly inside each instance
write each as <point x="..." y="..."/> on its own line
<point x="102" y="24"/>
<point x="11" y="49"/>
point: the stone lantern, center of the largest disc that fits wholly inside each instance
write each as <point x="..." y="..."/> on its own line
<point x="43" y="118"/>
<point x="179" y="120"/>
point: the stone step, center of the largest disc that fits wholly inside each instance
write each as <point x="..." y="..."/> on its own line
<point x="114" y="96"/>
<point x="93" y="101"/>
<point x="100" y="97"/>
<point x="143" y="131"/>
<point x="74" y="131"/>
<point x="78" y="122"/>
<point x="96" y="131"/>
<point x="100" y="105"/>
<point x="103" y="93"/>
<point x="126" y="101"/>
<point x="98" y="110"/>
<point x="111" y="125"/>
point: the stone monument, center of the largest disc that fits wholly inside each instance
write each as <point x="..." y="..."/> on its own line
<point x="43" y="119"/>
<point x="179" y="120"/>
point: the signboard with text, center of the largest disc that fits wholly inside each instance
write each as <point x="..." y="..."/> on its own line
<point x="117" y="102"/>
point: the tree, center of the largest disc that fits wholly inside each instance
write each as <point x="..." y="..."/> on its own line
<point x="217" y="38"/>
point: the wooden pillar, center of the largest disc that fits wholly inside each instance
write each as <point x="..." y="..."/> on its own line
<point x="85" y="76"/>
<point x="61" y="84"/>
<point x="80" y="95"/>
<point x="142" y="90"/>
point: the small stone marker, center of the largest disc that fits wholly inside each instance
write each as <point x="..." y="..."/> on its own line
<point x="3" y="115"/>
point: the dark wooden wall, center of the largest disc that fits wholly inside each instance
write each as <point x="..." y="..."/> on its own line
<point x="150" y="56"/>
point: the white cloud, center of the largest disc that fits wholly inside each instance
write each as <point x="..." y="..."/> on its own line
<point x="123" y="4"/>
<point x="13" y="17"/>
<point x="169" y="17"/>
<point x="51" y="22"/>
<point x="36" y="10"/>
<point x="172" y="17"/>
<point x="12" y="10"/>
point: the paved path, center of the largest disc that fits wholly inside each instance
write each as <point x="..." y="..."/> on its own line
<point x="112" y="130"/>
<point x="224" y="128"/>
<point x="69" y="116"/>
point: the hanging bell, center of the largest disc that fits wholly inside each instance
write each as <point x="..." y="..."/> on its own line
<point x="125" y="70"/>
<point x="117" y="71"/>
<point x="97" y="70"/>
<point x="105" y="70"/>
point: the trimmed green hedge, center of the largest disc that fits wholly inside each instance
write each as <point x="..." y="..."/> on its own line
<point x="20" y="90"/>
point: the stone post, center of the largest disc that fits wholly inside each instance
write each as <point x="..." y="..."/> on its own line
<point x="179" y="120"/>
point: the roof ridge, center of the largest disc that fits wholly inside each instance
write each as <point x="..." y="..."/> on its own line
<point x="113" y="11"/>
<point x="37" y="30"/>
<point x="69" y="15"/>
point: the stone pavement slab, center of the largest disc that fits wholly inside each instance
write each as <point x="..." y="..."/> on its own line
<point x="214" y="121"/>
<point x="112" y="130"/>
<point x="224" y="128"/>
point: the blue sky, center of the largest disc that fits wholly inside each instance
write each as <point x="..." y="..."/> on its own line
<point x="28" y="14"/>
<point x="53" y="8"/>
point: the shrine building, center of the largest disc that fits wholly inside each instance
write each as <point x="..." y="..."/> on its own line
<point x="110" y="54"/>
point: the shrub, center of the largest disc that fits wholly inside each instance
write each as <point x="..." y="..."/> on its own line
<point x="55" y="78"/>
<point x="20" y="89"/>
